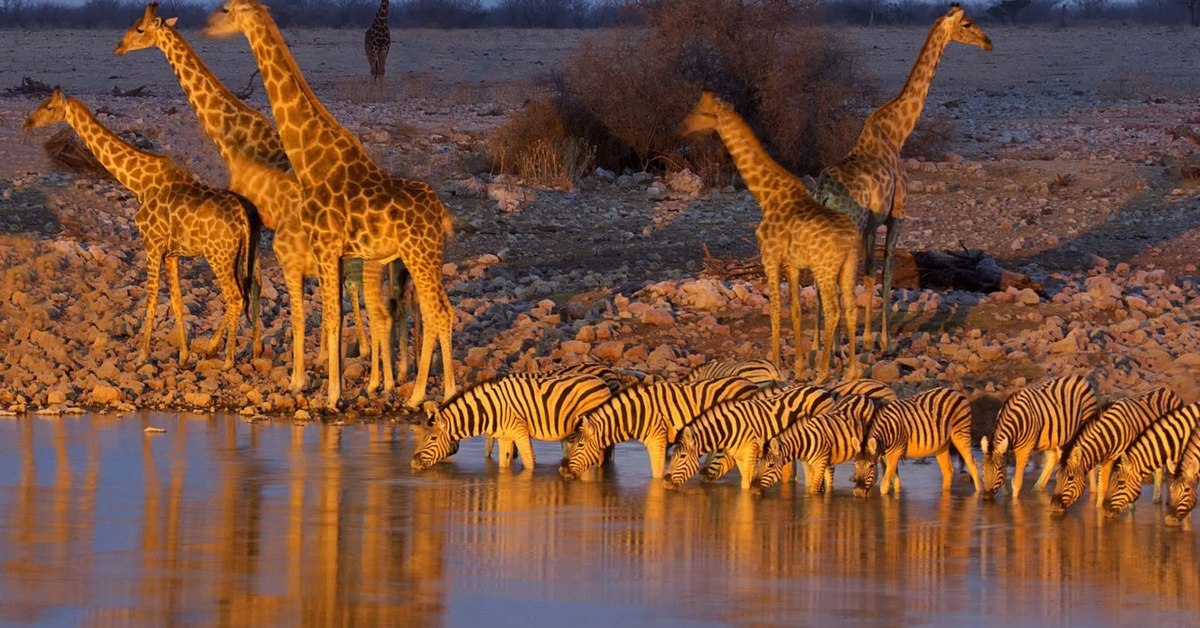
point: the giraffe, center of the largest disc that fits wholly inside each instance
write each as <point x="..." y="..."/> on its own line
<point x="795" y="233"/>
<point x="868" y="185"/>
<point x="248" y="142"/>
<point x="178" y="216"/>
<point x="378" y="41"/>
<point x="351" y="207"/>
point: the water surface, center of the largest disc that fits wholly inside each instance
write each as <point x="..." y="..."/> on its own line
<point x="219" y="521"/>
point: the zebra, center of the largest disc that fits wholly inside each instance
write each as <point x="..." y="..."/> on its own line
<point x="1100" y="442"/>
<point x="513" y="409"/>
<point x="821" y="442"/>
<point x="761" y="372"/>
<point x="651" y="414"/>
<point x="1181" y="492"/>
<point x="814" y="400"/>
<point x="874" y="389"/>
<point x="1042" y="417"/>
<point x="927" y="424"/>
<point x="610" y="377"/>
<point x="740" y="428"/>
<point x="1159" y="445"/>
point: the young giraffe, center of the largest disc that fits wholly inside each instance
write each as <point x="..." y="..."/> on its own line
<point x="259" y="170"/>
<point x="352" y="207"/>
<point x="868" y="185"/>
<point x="795" y="233"/>
<point x="178" y="216"/>
<point x="378" y="41"/>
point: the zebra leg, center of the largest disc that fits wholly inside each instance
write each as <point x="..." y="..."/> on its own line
<point x="746" y="461"/>
<point x="489" y="443"/>
<point x="1050" y="459"/>
<point x="657" y="448"/>
<point x="963" y="445"/>
<point x="815" y="476"/>
<point x="947" y="466"/>
<point x="1102" y="480"/>
<point x="1018" y="478"/>
<point x="828" y="488"/>
<point x="1158" y="476"/>
<point x="890" y="473"/>
<point x="525" y="447"/>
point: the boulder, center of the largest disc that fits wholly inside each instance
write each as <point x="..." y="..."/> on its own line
<point x="105" y="395"/>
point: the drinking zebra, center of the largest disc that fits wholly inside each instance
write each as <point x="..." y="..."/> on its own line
<point x="513" y="410"/>
<point x="1181" y="492"/>
<point x="1043" y="417"/>
<point x="650" y="414"/>
<point x="820" y="442"/>
<point x="741" y="429"/>
<point x="927" y="424"/>
<point x="760" y="372"/>
<point x="1100" y="442"/>
<point x="1161" y="444"/>
<point x="874" y="389"/>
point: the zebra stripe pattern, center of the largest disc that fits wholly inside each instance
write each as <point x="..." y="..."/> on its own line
<point x="925" y="425"/>
<point x="1182" y="491"/>
<point x="650" y="414"/>
<point x="513" y="409"/>
<point x="1043" y="417"/>
<point x="740" y="428"/>
<point x="1160" y="445"/>
<point x="610" y="377"/>
<point x="760" y="372"/>
<point x="1100" y="442"/>
<point x="820" y="442"/>
<point x="869" y="388"/>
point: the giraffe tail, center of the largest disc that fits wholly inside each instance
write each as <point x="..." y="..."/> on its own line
<point x="248" y="255"/>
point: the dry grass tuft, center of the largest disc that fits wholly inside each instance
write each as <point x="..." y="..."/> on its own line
<point x="534" y="144"/>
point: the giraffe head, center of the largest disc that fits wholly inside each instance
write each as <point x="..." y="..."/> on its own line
<point x="233" y="17"/>
<point x="705" y="114"/>
<point x="963" y="29"/>
<point x="53" y="109"/>
<point x="144" y="32"/>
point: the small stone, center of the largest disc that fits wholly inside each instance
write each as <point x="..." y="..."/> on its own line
<point x="609" y="351"/>
<point x="262" y="365"/>
<point x="56" y="396"/>
<point x="658" y="318"/>
<point x="301" y="415"/>
<point x="885" y="371"/>
<point x="1028" y="297"/>
<point x="576" y="347"/>
<point x="477" y="357"/>
<point x="197" y="399"/>
<point x="105" y="395"/>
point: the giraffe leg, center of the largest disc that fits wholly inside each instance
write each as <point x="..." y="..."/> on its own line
<point x="177" y="307"/>
<point x="868" y="335"/>
<point x="771" y="270"/>
<point x="435" y="319"/>
<point x="293" y="277"/>
<point x="828" y="287"/>
<point x="153" y="267"/>
<point x="329" y="273"/>
<point x="400" y="306"/>
<point x="255" y="296"/>
<point x="849" y="312"/>
<point x="352" y="290"/>
<point x="889" y="261"/>
<point x="228" y="283"/>
<point x="381" y="327"/>
<point x="794" y="288"/>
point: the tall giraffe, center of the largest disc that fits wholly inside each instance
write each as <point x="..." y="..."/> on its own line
<point x="178" y="216"/>
<point x="868" y="185"/>
<point x="378" y="41"/>
<point x="795" y="233"/>
<point x="249" y="143"/>
<point x="352" y="207"/>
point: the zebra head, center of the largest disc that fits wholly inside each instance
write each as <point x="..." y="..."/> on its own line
<point x="584" y="454"/>
<point x="685" y="461"/>
<point x="770" y="468"/>
<point x="1181" y="493"/>
<point x="1068" y="486"/>
<point x="435" y="446"/>
<point x="1124" y="489"/>
<point x="995" y="467"/>
<point x="866" y="468"/>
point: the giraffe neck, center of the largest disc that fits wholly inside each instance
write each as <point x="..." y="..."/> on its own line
<point x="896" y="119"/>
<point x="381" y="18"/>
<point x="761" y="173"/>
<point x="301" y="117"/>
<point x="137" y="170"/>
<point x="219" y="110"/>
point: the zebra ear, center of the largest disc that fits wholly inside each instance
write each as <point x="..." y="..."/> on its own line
<point x="983" y="445"/>
<point x="855" y="442"/>
<point x="872" y="445"/>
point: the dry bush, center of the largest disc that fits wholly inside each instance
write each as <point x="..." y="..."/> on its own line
<point x="534" y="144"/>
<point x="798" y="86"/>
<point x="931" y="136"/>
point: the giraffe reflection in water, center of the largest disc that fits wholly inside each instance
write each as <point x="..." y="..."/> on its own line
<point x="219" y="521"/>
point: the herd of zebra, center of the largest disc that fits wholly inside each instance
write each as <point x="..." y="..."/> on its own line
<point x="741" y="414"/>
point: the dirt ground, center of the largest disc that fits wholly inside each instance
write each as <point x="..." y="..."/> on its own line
<point x="1065" y="162"/>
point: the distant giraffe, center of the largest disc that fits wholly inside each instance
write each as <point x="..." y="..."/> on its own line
<point x="178" y="216"/>
<point x="868" y="185"/>
<point x="248" y="142"/>
<point x="795" y="233"/>
<point x="353" y="208"/>
<point x="378" y="41"/>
